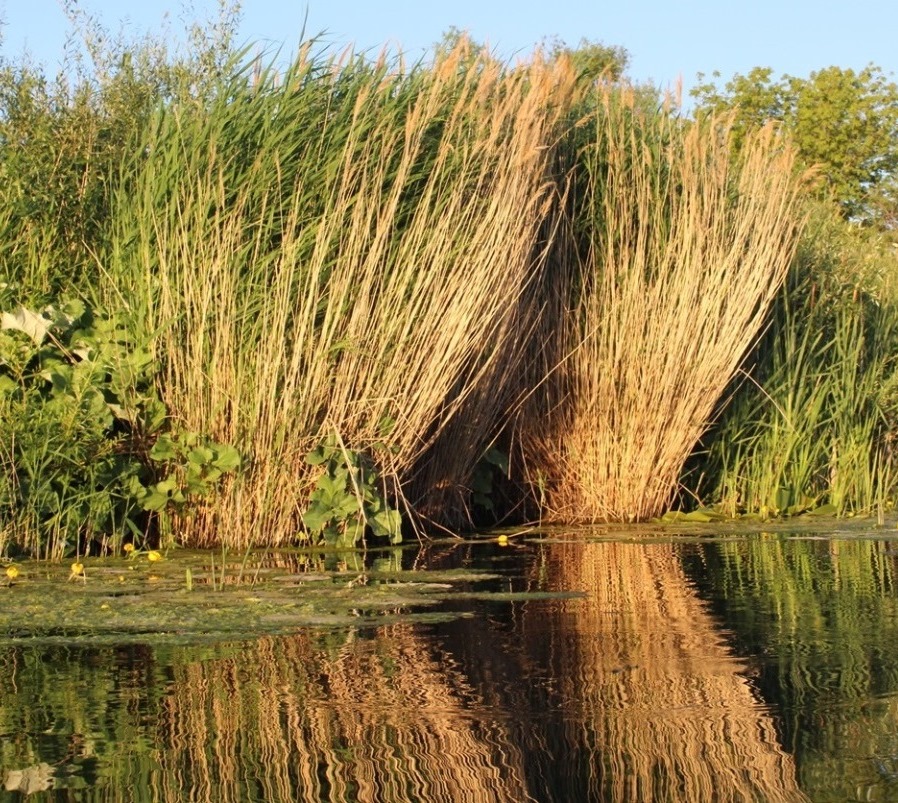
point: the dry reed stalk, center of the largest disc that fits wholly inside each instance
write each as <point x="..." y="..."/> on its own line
<point x="685" y="250"/>
<point x="379" y="316"/>
<point x="666" y="707"/>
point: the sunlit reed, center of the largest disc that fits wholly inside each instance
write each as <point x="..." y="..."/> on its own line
<point x="681" y="250"/>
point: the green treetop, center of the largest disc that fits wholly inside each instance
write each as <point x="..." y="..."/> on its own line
<point x="844" y="123"/>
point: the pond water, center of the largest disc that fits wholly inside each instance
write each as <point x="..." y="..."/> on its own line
<point x="757" y="667"/>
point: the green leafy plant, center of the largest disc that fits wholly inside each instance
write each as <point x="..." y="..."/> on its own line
<point x="87" y="455"/>
<point x="348" y="498"/>
<point x="484" y="477"/>
<point x="190" y="466"/>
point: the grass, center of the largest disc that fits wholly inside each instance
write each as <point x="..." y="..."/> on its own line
<point x="811" y="422"/>
<point x="680" y="251"/>
<point x="358" y="273"/>
<point x="433" y="263"/>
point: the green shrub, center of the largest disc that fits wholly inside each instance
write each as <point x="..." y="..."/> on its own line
<point x="87" y="458"/>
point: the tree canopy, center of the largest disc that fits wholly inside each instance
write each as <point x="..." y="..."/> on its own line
<point x="845" y="123"/>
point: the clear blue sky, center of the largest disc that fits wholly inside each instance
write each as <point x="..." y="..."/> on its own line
<point x="666" y="40"/>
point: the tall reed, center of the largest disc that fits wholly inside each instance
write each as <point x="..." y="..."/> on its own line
<point x="680" y="249"/>
<point x="813" y="421"/>
<point x="340" y="249"/>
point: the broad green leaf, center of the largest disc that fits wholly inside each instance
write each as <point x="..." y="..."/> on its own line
<point x="498" y="459"/>
<point x="347" y="506"/>
<point x="154" y="501"/>
<point x="227" y="458"/>
<point x="387" y="523"/>
<point x="331" y="486"/>
<point x="315" y="519"/>
<point x="317" y="456"/>
<point x="167" y="485"/>
<point x="201" y="455"/>
<point x="136" y="488"/>
<point x="164" y="449"/>
<point x="824" y="510"/>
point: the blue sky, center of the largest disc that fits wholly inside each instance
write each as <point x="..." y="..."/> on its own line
<point x="666" y="40"/>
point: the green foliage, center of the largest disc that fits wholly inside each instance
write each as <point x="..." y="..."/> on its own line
<point x="348" y="498"/>
<point x="591" y="60"/>
<point x="64" y="140"/>
<point x="844" y="123"/>
<point x="483" y="480"/>
<point x="79" y="410"/>
<point x="190" y="466"/>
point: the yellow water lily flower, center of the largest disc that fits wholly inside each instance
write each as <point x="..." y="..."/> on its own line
<point x="128" y="548"/>
<point x="12" y="572"/>
<point x="153" y="556"/>
<point x="77" y="570"/>
<point x="502" y="540"/>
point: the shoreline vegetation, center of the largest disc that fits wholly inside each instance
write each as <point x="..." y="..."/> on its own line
<point x="354" y="297"/>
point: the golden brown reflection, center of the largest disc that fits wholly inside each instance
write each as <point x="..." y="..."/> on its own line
<point x="629" y="695"/>
<point x="668" y="712"/>
<point x="382" y="719"/>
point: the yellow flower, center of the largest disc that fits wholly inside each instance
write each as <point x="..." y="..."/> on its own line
<point x="12" y="572"/>
<point x="77" y="569"/>
<point x="128" y="548"/>
<point x="153" y="556"/>
<point x="502" y="540"/>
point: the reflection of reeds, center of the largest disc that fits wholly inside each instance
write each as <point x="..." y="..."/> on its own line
<point x="826" y="612"/>
<point x="666" y="709"/>
<point x="378" y="719"/>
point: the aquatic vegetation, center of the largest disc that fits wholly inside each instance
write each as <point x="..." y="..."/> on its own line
<point x="365" y="264"/>
<point x="190" y="597"/>
<point x="812" y="417"/>
<point x="348" y="499"/>
<point x="678" y="251"/>
<point x="503" y="290"/>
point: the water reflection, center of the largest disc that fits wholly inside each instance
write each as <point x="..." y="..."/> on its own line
<point x="760" y="669"/>
<point x="653" y="703"/>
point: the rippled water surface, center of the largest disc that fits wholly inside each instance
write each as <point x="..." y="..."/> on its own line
<point x="721" y="668"/>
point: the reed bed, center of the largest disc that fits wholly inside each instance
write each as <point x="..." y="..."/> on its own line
<point x="679" y="250"/>
<point x="417" y="263"/>
<point x="813" y="419"/>
<point x="338" y="251"/>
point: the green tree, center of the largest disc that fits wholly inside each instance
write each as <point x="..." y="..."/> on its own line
<point x="845" y="123"/>
<point x="591" y="60"/>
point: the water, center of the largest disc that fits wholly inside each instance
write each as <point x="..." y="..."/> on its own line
<point x="725" y="669"/>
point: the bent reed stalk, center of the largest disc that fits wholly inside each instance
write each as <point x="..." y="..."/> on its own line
<point x="680" y="250"/>
<point x="338" y="250"/>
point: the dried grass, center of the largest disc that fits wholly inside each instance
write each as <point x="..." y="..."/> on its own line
<point x="360" y="276"/>
<point x="681" y="251"/>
